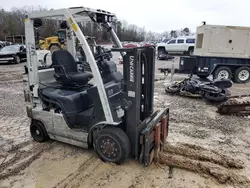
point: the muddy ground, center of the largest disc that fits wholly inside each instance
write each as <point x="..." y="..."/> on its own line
<point x="203" y="150"/>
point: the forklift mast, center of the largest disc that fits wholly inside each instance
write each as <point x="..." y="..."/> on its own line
<point x="139" y="70"/>
<point x="140" y="119"/>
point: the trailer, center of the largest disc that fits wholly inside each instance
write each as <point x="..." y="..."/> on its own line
<point x="221" y="51"/>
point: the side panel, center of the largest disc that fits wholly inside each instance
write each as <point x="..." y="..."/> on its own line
<point x="219" y="40"/>
<point x="180" y="47"/>
<point x="248" y="44"/>
<point x="223" y="41"/>
<point x="45" y="117"/>
<point x="238" y="41"/>
<point x="58" y="129"/>
<point x="205" y="65"/>
<point x="63" y="132"/>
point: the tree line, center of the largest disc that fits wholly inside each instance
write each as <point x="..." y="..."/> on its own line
<point x="12" y="23"/>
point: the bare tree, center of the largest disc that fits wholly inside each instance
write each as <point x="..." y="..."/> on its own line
<point x="12" y="23"/>
<point x="186" y="31"/>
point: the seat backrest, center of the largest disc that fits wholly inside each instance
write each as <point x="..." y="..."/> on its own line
<point x="65" y="59"/>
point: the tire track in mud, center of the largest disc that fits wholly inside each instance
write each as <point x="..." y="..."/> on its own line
<point x="202" y="154"/>
<point x="73" y="176"/>
<point x="97" y="174"/>
<point x="22" y="159"/>
<point x="18" y="149"/>
<point x="93" y="173"/>
<point x="222" y="168"/>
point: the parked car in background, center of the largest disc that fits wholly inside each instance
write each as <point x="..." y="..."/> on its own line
<point x="130" y="45"/>
<point x="13" y="53"/>
<point x="1" y="45"/>
<point x="184" y="44"/>
<point x="150" y="43"/>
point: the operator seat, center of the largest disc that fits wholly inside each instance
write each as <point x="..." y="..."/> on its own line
<point x="66" y="71"/>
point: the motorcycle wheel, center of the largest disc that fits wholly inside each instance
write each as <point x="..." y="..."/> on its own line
<point x="173" y="89"/>
<point x="217" y="97"/>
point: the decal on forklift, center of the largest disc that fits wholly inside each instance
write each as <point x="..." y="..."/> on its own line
<point x="70" y="20"/>
<point x="131" y="68"/>
<point x="131" y="94"/>
<point x="26" y="18"/>
<point x="74" y="27"/>
<point x="30" y="51"/>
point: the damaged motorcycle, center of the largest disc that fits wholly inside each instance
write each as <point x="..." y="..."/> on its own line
<point x="213" y="91"/>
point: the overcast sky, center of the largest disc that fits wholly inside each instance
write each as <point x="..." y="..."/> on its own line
<point x="158" y="15"/>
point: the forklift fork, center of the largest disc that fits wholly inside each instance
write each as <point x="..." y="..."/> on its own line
<point x="153" y="137"/>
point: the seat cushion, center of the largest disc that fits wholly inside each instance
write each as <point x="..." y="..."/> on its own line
<point x="223" y="83"/>
<point x="80" y="77"/>
<point x="69" y="101"/>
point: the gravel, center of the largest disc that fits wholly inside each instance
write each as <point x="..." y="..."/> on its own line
<point x="192" y="121"/>
<point x="11" y="90"/>
<point x="12" y="100"/>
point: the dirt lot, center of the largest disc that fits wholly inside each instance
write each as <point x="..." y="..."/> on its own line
<point x="204" y="149"/>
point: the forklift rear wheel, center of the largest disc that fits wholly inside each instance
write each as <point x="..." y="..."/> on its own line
<point x="112" y="145"/>
<point x="38" y="132"/>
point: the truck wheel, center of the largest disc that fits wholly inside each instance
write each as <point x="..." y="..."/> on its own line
<point x="112" y="145"/>
<point x="161" y="52"/>
<point x="17" y="59"/>
<point x="190" y="51"/>
<point x="38" y="131"/>
<point x="223" y="72"/>
<point x="242" y="75"/>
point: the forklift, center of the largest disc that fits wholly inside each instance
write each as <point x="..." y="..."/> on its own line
<point x="101" y="109"/>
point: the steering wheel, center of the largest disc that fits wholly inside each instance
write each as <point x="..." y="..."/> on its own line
<point x="102" y="56"/>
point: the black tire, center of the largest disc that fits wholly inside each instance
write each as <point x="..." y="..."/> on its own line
<point x="161" y="51"/>
<point x="190" y="51"/>
<point x="242" y="75"/>
<point x="17" y="59"/>
<point x="223" y="70"/>
<point x="115" y="139"/>
<point x="173" y="89"/>
<point x="38" y="131"/>
<point x="217" y="98"/>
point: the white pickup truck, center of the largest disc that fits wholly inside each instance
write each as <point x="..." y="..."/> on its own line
<point x="184" y="44"/>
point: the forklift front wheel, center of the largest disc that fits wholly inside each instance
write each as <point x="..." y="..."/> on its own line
<point x="112" y="145"/>
<point x="38" y="131"/>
